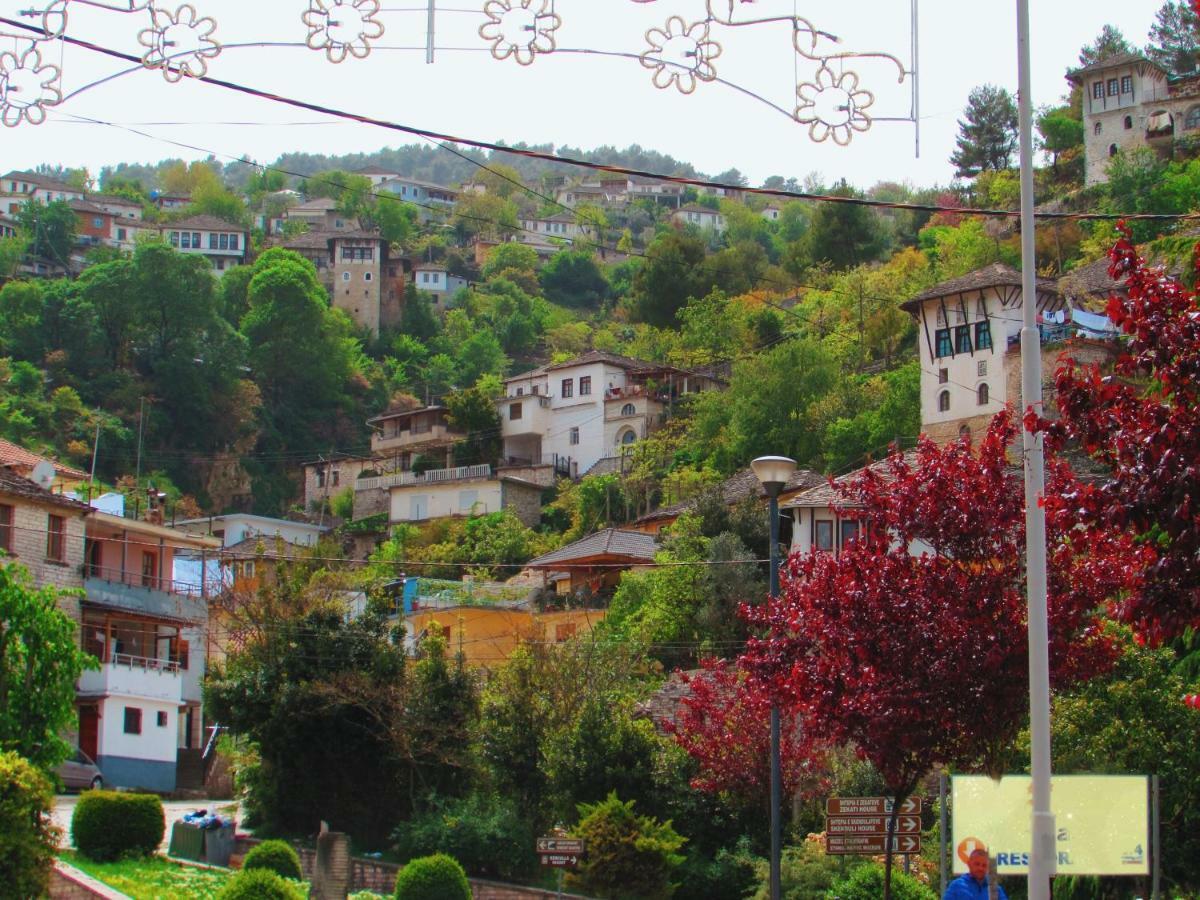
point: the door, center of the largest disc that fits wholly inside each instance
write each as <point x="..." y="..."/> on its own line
<point x="418" y="508"/>
<point x="89" y="730"/>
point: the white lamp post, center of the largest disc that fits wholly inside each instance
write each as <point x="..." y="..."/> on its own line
<point x="774" y="472"/>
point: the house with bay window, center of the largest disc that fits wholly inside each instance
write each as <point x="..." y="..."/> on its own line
<point x="222" y="243"/>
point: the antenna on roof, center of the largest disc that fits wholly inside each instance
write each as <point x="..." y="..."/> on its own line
<point x="43" y="474"/>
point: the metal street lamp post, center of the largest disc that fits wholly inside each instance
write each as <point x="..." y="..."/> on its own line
<point x="774" y="472"/>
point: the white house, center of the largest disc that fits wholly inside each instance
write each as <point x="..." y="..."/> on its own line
<point x="566" y="417"/>
<point x="966" y="328"/>
<point x="771" y="212"/>
<point x="8" y="227"/>
<point x="233" y="528"/>
<point x="222" y="243"/>
<point x="699" y="217"/>
<point x="24" y="186"/>
<point x="437" y="280"/>
<point x="320" y="214"/>
<point x="427" y="196"/>
<point x="376" y="174"/>
<point x="460" y="492"/>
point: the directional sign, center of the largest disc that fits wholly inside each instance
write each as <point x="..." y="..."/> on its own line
<point x="870" y="806"/>
<point x="871" y="825"/>
<point x="560" y="860"/>
<point x="560" y="845"/>
<point x="870" y="844"/>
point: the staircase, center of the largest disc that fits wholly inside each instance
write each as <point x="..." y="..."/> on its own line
<point x="189" y="770"/>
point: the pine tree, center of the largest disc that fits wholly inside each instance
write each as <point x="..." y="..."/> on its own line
<point x="1109" y="43"/>
<point x="987" y="135"/>
<point x="1175" y="38"/>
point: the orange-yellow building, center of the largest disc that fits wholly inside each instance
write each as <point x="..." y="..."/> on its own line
<point x="487" y="636"/>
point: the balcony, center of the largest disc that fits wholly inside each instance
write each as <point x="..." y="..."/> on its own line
<point x="415" y="436"/>
<point x="433" y="476"/>
<point x="135" y="676"/>
<point x="532" y="414"/>
<point x="161" y="598"/>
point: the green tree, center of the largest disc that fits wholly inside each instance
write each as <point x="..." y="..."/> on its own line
<point x="987" y="135"/>
<point x="573" y="278"/>
<point x="473" y="412"/>
<point x="40" y="661"/>
<point x="21" y="309"/>
<point x="672" y="274"/>
<point x="1060" y="131"/>
<point x="511" y="255"/>
<point x="843" y="234"/>
<point x="12" y="252"/>
<point x="28" y="840"/>
<point x="1134" y="720"/>
<point x="1175" y="38"/>
<point x="51" y="230"/>
<point x="630" y="856"/>
<point x="1109" y="43"/>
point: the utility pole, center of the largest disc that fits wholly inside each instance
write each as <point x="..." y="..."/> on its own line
<point x="1043" y="855"/>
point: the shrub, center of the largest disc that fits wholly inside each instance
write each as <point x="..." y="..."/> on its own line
<point x="260" y="884"/>
<point x="437" y="877"/>
<point x="274" y="856"/>
<point x="485" y="834"/>
<point x="27" y="839"/>
<point x="866" y="883"/>
<point x="805" y="871"/>
<point x="627" y="855"/>
<point x="107" y="825"/>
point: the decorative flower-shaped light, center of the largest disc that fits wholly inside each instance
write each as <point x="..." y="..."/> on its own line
<point x="179" y="43"/>
<point x="680" y="54"/>
<point x="833" y="106"/>
<point x="27" y="87"/>
<point x="343" y="27"/>
<point x="520" y="28"/>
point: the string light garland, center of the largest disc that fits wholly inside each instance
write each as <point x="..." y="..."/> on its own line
<point x="680" y="54"/>
<point x="27" y="87"/>
<point x="343" y="28"/>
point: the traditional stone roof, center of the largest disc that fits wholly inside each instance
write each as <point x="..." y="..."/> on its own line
<point x="697" y="208"/>
<point x="317" y="204"/>
<point x="399" y="410"/>
<point x="202" y="223"/>
<point x="43" y="181"/>
<point x="18" y="457"/>
<point x="1122" y="59"/>
<point x="273" y="547"/>
<point x="737" y="488"/>
<point x="662" y="707"/>
<point x="611" y="544"/>
<point x="85" y="206"/>
<point x="602" y="356"/>
<point x="13" y="485"/>
<point x="376" y="170"/>
<point x="1089" y="283"/>
<point x="997" y="275"/>
<point x="827" y="494"/>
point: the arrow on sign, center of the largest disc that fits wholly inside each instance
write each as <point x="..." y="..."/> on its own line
<point x="905" y="823"/>
<point x="911" y="806"/>
<point x="908" y="844"/>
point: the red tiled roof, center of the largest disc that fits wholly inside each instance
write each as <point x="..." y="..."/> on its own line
<point x="16" y="456"/>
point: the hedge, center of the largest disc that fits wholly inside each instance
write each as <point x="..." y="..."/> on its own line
<point x="260" y="884"/>
<point x="274" y="856"/>
<point x="107" y="825"/>
<point x="27" y="838"/>
<point x="437" y="877"/>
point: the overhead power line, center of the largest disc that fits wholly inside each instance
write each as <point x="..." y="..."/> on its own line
<point x="604" y="167"/>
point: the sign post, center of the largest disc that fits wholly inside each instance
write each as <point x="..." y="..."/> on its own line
<point x="560" y="853"/>
<point x="862" y="826"/>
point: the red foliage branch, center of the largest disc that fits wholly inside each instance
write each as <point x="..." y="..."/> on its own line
<point x="1143" y="426"/>
<point x="724" y="724"/>
<point x="911" y="644"/>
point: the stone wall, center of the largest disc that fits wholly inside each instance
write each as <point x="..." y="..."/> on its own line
<point x="30" y="523"/>
<point x="380" y="877"/>
<point x="524" y="500"/>
<point x="68" y="883"/>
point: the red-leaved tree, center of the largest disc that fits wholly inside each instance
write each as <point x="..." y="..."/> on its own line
<point x="724" y="724"/>
<point x="911" y="644"/>
<point x="1143" y="426"/>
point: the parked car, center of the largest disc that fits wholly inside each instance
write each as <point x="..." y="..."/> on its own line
<point x="80" y="772"/>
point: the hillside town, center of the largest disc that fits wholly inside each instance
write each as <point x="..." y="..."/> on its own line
<point x="504" y="522"/>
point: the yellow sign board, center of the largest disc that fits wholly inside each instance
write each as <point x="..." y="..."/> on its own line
<point x="1102" y="822"/>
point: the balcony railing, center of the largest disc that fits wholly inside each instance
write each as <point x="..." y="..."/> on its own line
<point x="562" y="465"/>
<point x="158" y="602"/>
<point x="433" y="476"/>
<point x="134" y="676"/>
<point x="131" y="578"/>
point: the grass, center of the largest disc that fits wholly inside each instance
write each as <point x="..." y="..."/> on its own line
<point x="153" y="877"/>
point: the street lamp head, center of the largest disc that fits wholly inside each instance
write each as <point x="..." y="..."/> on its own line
<point x="774" y="472"/>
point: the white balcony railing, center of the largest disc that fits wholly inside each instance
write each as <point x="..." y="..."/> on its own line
<point x="135" y="676"/>
<point x="433" y="476"/>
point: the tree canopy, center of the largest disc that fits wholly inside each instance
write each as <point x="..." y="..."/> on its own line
<point x="987" y="133"/>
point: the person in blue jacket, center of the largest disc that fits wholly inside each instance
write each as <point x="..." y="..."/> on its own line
<point x="973" y="885"/>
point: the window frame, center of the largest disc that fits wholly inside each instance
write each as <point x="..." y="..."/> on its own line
<point x="943" y="401"/>
<point x="1097" y="90"/>
<point x="585" y="385"/>
<point x="56" y="538"/>
<point x="962" y="339"/>
<point x="942" y="344"/>
<point x="573" y="436"/>
<point x="8" y="514"/>
<point x="1114" y="87"/>
<point x="983" y="335"/>
<point x="823" y="535"/>
<point x="132" y="723"/>
<point x="1126" y="84"/>
<point x="983" y="394"/>
<point x="567" y="388"/>
<point x="515" y="411"/>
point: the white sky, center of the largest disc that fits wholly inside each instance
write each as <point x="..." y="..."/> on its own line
<point x="566" y="98"/>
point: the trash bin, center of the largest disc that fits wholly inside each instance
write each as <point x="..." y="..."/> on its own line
<point x="187" y="842"/>
<point x="218" y="845"/>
